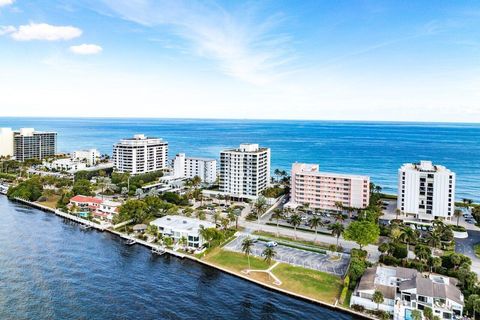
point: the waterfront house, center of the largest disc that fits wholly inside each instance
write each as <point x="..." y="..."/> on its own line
<point x="405" y="289"/>
<point x="102" y="209"/>
<point x="139" y="228"/>
<point x="178" y="227"/>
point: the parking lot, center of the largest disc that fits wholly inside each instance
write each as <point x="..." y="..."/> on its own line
<point x="298" y="257"/>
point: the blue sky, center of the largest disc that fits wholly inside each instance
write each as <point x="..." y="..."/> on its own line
<point x="351" y="60"/>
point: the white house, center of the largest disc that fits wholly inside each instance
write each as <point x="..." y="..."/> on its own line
<point x="405" y="289"/>
<point x="177" y="227"/>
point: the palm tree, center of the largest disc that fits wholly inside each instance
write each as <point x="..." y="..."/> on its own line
<point x="377" y="298"/>
<point x="316" y="222"/>
<point x="295" y="221"/>
<point x="397" y="213"/>
<point x="260" y="206"/>
<point x="224" y="222"/>
<point x="278" y="173"/>
<point x="434" y="239"/>
<point x="269" y="254"/>
<point x="232" y="217"/>
<point x="247" y="245"/>
<point x="277" y="215"/>
<point x="216" y="216"/>
<point x="408" y="235"/>
<point x="337" y="230"/>
<point x="457" y="213"/>
<point x="339" y="206"/>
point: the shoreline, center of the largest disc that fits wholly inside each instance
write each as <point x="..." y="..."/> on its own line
<point x="192" y="258"/>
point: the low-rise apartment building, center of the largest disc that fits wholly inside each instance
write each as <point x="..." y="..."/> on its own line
<point x="323" y="190"/>
<point x="90" y="156"/>
<point x="178" y="227"/>
<point x="405" y="289"/>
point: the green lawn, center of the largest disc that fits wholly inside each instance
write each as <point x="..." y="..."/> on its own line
<point x="477" y="249"/>
<point x="234" y="261"/>
<point x="315" y="284"/>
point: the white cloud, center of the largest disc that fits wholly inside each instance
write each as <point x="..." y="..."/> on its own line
<point x="86" y="49"/>
<point x="6" y="2"/>
<point x="6" y="30"/>
<point x="43" y="31"/>
<point x="245" y="46"/>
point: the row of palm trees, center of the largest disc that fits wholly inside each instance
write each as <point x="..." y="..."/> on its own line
<point x="316" y="222"/>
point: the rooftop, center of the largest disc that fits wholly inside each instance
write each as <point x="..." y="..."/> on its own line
<point x="182" y="223"/>
<point x="314" y="170"/>
<point x="424" y="166"/>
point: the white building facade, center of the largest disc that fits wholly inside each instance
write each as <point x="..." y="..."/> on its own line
<point x="426" y="191"/>
<point x="31" y="144"/>
<point x="245" y="171"/>
<point x="65" y="165"/>
<point x="140" y="154"/>
<point x="323" y="190"/>
<point x="178" y="227"/>
<point x="6" y="142"/>
<point x="189" y="167"/>
<point x="90" y="156"/>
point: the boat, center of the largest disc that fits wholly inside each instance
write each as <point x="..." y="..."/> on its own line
<point x="130" y="242"/>
<point x="86" y="227"/>
<point x="158" y="251"/>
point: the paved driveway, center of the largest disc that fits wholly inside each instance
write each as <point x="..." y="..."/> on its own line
<point x="465" y="246"/>
<point x="298" y="257"/>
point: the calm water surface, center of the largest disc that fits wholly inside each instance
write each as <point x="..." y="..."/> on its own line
<point x="52" y="269"/>
<point x="372" y="148"/>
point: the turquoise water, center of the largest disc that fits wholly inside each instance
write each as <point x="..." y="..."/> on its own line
<point x="372" y="148"/>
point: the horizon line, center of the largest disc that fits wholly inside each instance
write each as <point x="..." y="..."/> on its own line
<point x="244" y="119"/>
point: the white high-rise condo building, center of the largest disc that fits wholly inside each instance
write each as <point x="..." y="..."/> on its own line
<point x="90" y="156"/>
<point x="189" y="167"/>
<point x="140" y="154"/>
<point x="6" y="142"/>
<point x="245" y="172"/>
<point x="323" y="190"/>
<point x="31" y="144"/>
<point x="426" y="190"/>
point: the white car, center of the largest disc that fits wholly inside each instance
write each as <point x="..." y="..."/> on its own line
<point x="271" y="244"/>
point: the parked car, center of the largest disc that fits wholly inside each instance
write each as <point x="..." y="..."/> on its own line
<point x="271" y="244"/>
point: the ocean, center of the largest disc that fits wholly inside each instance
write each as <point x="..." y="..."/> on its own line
<point x="376" y="149"/>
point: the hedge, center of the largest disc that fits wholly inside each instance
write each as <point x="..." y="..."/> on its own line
<point x="343" y="295"/>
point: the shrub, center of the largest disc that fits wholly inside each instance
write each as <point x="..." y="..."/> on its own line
<point x="400" y="251"/>
<point x="459" y="228"/>
<point x="358" y="307"/>
<point x="389" y="260"/>
<point x="357" y="253"/>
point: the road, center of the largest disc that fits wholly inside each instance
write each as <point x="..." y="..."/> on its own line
<point x="465" y="246"/>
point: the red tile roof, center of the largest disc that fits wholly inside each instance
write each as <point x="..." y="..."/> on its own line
<point x="86" y="199"/>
